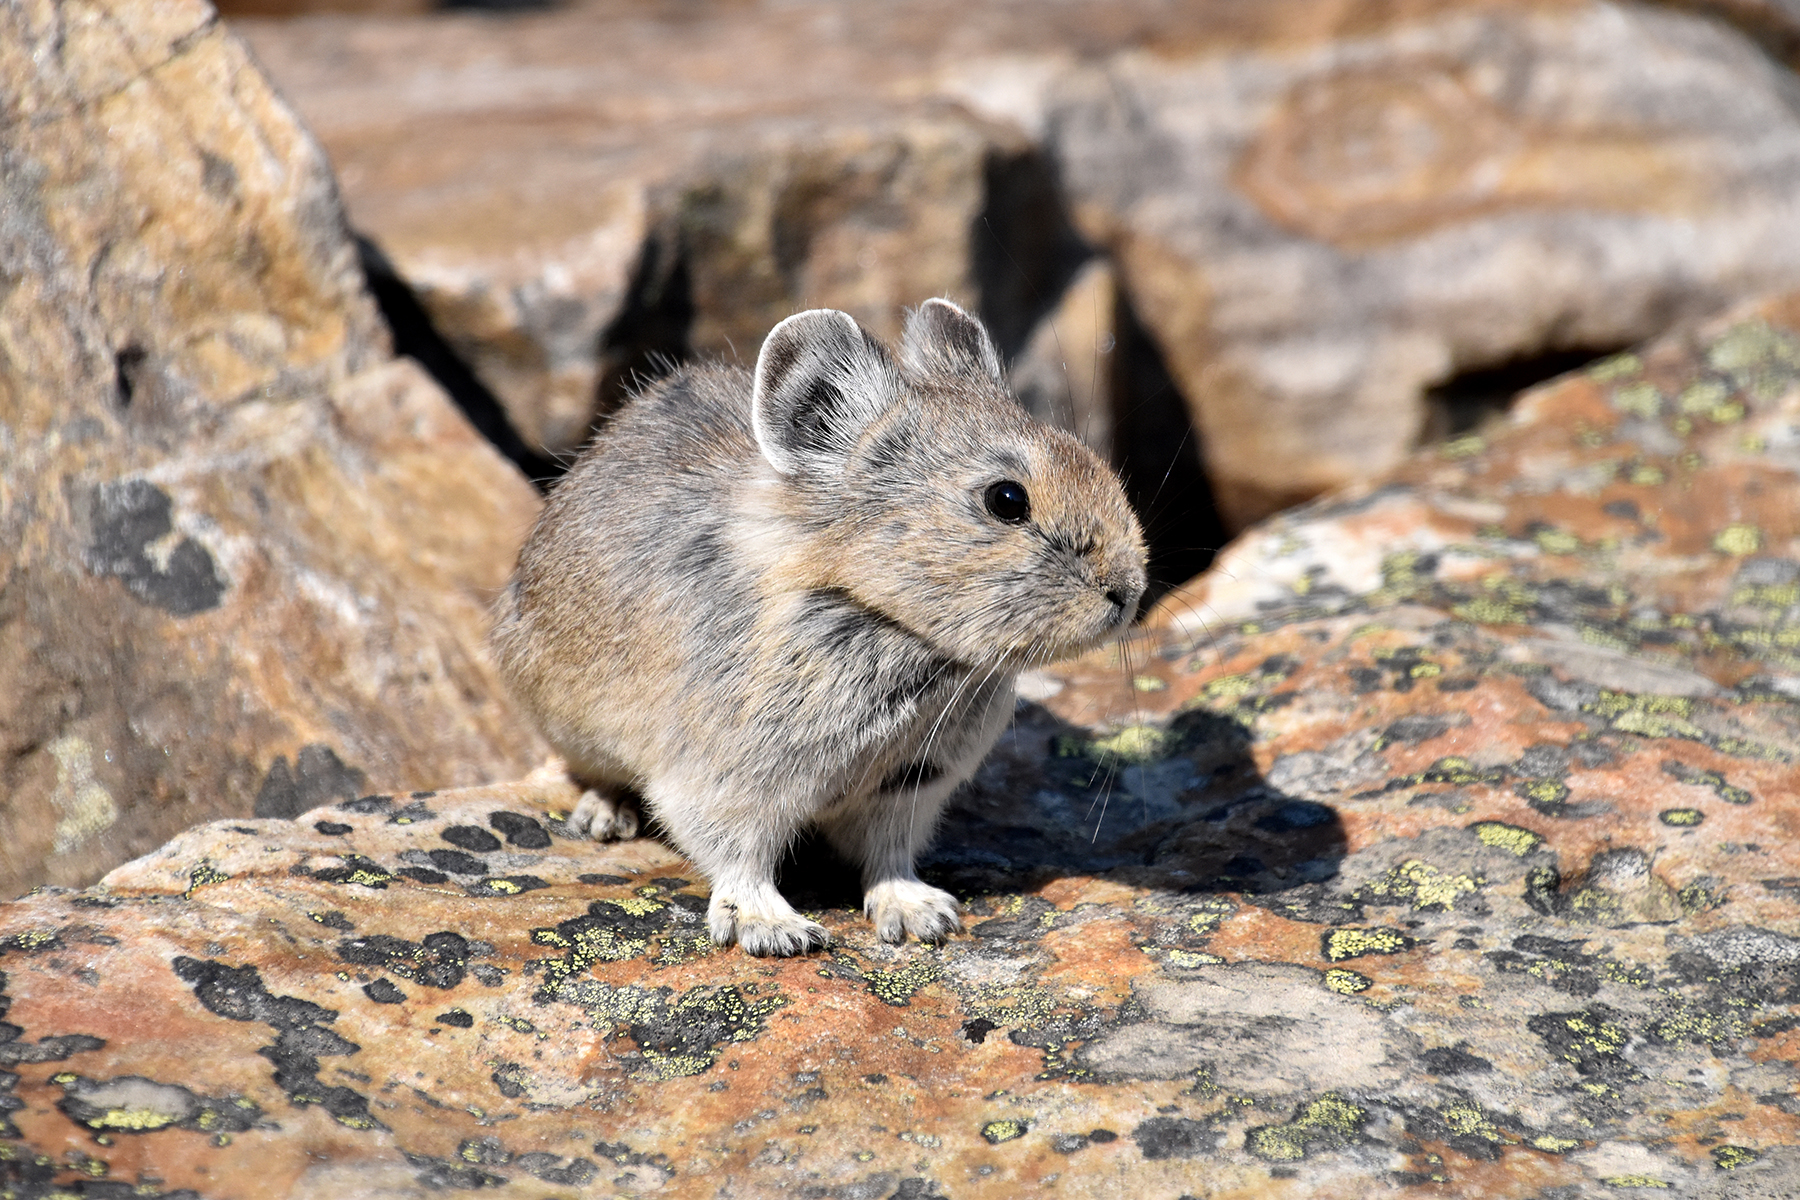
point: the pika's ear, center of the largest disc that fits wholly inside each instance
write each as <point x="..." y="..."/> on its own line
<point x="942" y="337"/>
<point x="820" y="381"/>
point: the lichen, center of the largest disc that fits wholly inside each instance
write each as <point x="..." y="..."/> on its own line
<point x="1512" y="838"/>
<point x="1341" y="944"/>
<point x="1420" y="884"/>
<point x="1329" y="1122"/>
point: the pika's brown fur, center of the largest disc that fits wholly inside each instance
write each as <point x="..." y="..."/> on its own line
<point x="801" y="598"/>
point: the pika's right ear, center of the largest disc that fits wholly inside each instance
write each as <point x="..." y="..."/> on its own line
<point x="820" y="381"/>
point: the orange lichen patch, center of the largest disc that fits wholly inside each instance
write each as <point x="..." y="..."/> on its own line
<point x="1257" y="935"/>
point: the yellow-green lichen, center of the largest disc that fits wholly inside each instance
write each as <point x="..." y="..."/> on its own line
<point x="1730" y="1158"/>
<point x="1556" y="541"/>
<point x="1003" y="1130"/>
<point x="1615" y="368"/>
<point x="1738" y="540"/>
<point x="1634" y="1181"/>
<point x="204" y="874"/>
<point x="1346" y="982"/>
<point x="898" y="985"/>
<point x="1512" y="838"/>
<point x="1230" y="686"/>
<point x="1682" y="818"/>
<point x="1192" y="958"/>
<point x="1551" y="1144"/>
<point x="1149" y="683"/>
<point x="1421" y="885"/>
<point x="1341" y="944"/>
<point x="1133" y="745"/>
<point x="1331" y="1121"/>
<point x="1467" y="446"/>
<point x="1465" y="1119"/>
<point x="1639" y="399"/>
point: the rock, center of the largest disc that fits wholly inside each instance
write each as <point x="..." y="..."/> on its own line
<point x="1320" y="228"/>
<point x="1318" y="218"/>
<point x="1320" y="886"/>
<point x="245" y="554"/>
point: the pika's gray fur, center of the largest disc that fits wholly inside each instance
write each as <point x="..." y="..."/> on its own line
<point x="796" y="599"/>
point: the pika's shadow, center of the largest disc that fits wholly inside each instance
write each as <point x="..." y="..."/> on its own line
<point x="1176" y="808"/>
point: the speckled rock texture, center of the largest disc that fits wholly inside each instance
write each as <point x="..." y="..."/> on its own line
<point x="1319" y="211"/>
<point x="1440" y="842"/>
<point x="245" y="554"/>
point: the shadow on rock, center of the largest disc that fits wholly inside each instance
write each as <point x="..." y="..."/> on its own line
<point x="1181" y="807"/>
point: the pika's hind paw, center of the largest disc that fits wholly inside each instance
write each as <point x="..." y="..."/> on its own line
<point x="769" y="933"/>
<point x="906" y="906"/>
<point x="605" y="816"/>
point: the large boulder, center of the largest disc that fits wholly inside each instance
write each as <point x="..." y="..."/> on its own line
<point x="1440" y="837"/>
<point x="245" y="554"/>
<point x="1318" y="214"/>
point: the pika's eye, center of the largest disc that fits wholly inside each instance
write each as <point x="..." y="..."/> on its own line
<point x="1008" y="501"/>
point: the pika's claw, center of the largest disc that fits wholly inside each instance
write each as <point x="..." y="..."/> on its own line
<point x="770" y="933"/>
<point x="605" y="816"/>
<point x="899" y="907"/>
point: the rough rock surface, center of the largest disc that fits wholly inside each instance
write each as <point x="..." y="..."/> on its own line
<point x="245" y="554"/>
<point x="1319" y="211"/>
<point x="1441" y="838"/>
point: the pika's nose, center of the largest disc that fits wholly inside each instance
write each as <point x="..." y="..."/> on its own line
<point x="1124" y="599"/>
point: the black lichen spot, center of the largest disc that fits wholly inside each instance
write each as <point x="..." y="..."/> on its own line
<point x="625" y="1156"/>
<point x="440" y="1175"/>
<point x="129" y="518"/>
<point x="511" y="1079"/>
<point x="136" y="1105"/>
<point x="520" y="830"/>
<point x="1173" y="1137"/>
<point x="438" y="962"/>
<point x="1454" y="1060"/>
<point x="471" y="837"/>
<point x="238" y="994"/>
<point x="128" y="368"/>
<point x="978" y="1029"/>
<point x="356" y="869"/>
<point x="368" y="804"/>
<point x="456" y="862"/>
<point x="424" y="875"/>
<point x="217" y="176"/>
<point x="332" y="828"/>
<point x="412" y="813"/>
<point x="318" y="777"/>
<point x="1068" y="1143"/>
<point x="333" y="920"/>
<point x="1101" y="1137"/>
<point x="383" y="991"/>
<point x="575" y="1172"/>
<point x="456" y="1017"/>
<point x="1591" y="1040"/>
<point x="603" y="880"/>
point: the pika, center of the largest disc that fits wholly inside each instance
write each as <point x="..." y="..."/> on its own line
<point x="799" y="597"/>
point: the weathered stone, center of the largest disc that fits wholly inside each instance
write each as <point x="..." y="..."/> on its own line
<point x="1340" y="878"/>
<point x="245" y="555"/>
<point x="1319" y="215"/>
<point x="1319" y="232"/>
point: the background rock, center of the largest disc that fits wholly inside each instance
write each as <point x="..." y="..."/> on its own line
<point x="245" y="555"/>
<point x="1319" y="216"/>
<point x="1369" y="880"/>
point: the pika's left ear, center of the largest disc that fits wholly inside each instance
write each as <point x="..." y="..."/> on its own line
<point x="940" y="337"/>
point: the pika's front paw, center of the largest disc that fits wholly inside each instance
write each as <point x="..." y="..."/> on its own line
<point x="767" y="932"/>
<point x="902" y="906"/>
<point x="605" y="816"/>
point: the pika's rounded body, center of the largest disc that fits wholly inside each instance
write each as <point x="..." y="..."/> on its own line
<point x="799" y="598"/>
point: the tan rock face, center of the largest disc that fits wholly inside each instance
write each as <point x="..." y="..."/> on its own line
<point x="1439" y="837"/>
<point x="1318" y="213"/>
<point x="244" y="554"/>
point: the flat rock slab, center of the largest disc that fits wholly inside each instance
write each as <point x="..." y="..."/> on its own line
<point x="1357" y="872"/>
